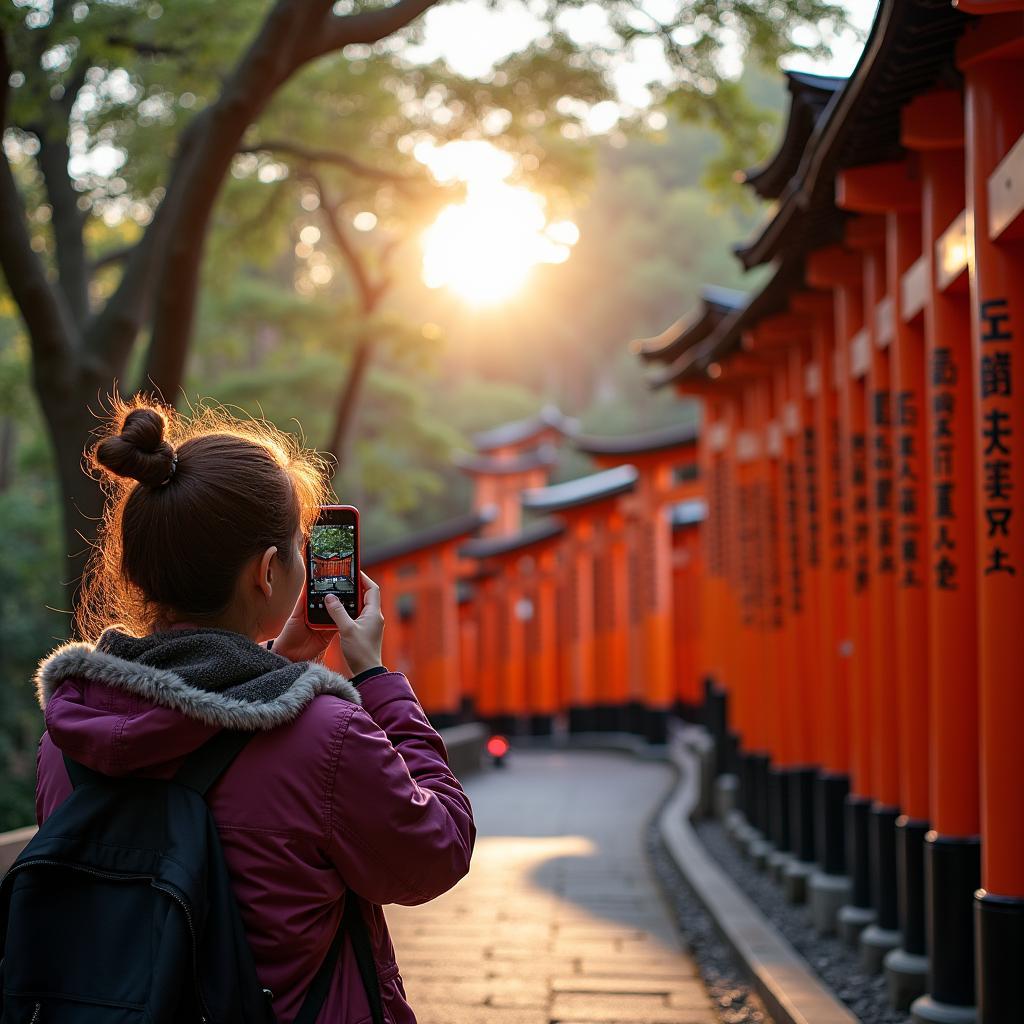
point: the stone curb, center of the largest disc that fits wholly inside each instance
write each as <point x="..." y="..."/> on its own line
<point x="787" y="985"/>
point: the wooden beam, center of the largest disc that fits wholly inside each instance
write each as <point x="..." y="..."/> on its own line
<point x="833" y="266"/>
<point x="951" y="253"/>
<point x="860" y="353"/>
<point x="933" y="120"/>
<point x="914" y="289"/>
<point x="1006" y="195"/>
<point x="880" y="188"/>
<point x="812" y="304"/>
<point x="865" y="232"/>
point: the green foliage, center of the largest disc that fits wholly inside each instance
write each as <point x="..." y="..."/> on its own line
<point x="30" y="578"/>
<point x="139" y="73"/>
<point x="30" y="586"/>
<point x="331" y="540"/>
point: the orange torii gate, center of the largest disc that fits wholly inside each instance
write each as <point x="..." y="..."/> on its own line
<point x="712" y="594"/>
<point x="663" y="555"/>
<point x="510" y="458"/>
<point x="533" y="624"/>
<point x="908" y="189"/>
<point x="600" y="626"/>
<point x="516" y="603"/>
<point x="419" y="579"/>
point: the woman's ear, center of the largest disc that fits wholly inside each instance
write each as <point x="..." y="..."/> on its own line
<point x="264" y="575"/>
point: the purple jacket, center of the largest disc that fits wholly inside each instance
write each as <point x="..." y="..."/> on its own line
<point x="339" y="794"/>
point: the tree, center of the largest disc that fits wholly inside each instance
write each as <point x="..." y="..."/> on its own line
<point x="140" y="78"/>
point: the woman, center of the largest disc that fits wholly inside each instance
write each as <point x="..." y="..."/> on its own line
<point x="198" y="571"/>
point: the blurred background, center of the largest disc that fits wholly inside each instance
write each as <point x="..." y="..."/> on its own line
<point x="393" y="245"/>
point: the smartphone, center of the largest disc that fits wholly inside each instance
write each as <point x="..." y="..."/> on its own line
<point x="332" y="564"/>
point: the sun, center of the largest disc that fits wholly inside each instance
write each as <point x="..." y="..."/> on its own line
<point x="485" y="248"/>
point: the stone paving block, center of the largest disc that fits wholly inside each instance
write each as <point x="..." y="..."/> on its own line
<point x="507" y="971"/>
<point x="693" y="995"/>
<point x="633" y="967"/>
<point x="624" y="984"/>
<point x="650" y="947"/>
<point x="641" y="1009"/>
<point x="593" y="947"/>
<point x="591" y="932"/>
<point x="466" y="993"/>
<point x="446" y="1013"/>
<point x="523" y="952"/>
<point x="512" y="996"/>
<point x="559" y="918"/>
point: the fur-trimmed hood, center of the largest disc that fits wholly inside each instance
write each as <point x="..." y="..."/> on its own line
<point x="152" y="698"/>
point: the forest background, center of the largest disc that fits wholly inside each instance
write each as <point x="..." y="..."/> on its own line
<point x="657" y="210"/>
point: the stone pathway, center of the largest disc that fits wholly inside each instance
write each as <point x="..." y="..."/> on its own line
<point x="559" y="918"/>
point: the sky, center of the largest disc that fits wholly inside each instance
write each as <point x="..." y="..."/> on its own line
<point x="472" y="38"/>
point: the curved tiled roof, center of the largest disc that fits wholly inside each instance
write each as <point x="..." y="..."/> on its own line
<point x="542" y="456"/>
<point x="715" y="304"/>
<point x="772" y="298"/>
<point x="808" y="97"/>
<point x="595" y="487"/>
<point x="910" y="49"/>
<point x="485" y="547"/>
<point x="518" y="431"/>
<point x="688" y="513"/>
<point x="649" y="441"/>
<point x="441" y="533"/>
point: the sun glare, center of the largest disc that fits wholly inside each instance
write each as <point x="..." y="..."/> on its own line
<point x="485" y="248"/>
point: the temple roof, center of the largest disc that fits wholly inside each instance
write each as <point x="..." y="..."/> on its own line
<point x="772" y="298"/>
<point x="605" y="484"/>
<point x="688" y="513"/>
<point x="809" y="95"/>
<point x="519" y="431"/>
<point x="441" y="533"/>
<point x="485" y="547"/>
<point x="543" y="456"/>
<point x="630" y="444"/>
<point x="715" y="304"/>
<point x="909" y="50"/>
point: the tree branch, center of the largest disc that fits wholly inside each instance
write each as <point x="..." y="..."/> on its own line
<point x="369" y="291"/>
<point x="146" y="49"/>
<point x="364" y="27"/>
<point x="325" y="156"/>
<point x="68" y="222"/>
<point x="112" y="332"/>
<point x="339" y="442"/>
<point x="49" y="322"/>
<point x="118" y="255"/>
<point x="197" y="177"/>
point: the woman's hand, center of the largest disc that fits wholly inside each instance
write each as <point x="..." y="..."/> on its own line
<point x="297" y="641"/>
<point x="361" y="637"/>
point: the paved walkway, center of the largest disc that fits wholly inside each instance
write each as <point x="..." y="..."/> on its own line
<point x="559" y="918"/>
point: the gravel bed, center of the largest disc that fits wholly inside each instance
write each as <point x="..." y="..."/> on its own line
<point x="835" y="963"/>
<point x="722" y="974"/>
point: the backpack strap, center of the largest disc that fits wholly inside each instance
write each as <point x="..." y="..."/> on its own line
<point x="201" y="770"/>
<point x="351" y="921"/>
<point x="204" y="766"/>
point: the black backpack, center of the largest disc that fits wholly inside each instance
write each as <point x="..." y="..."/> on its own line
<point x="120" y="911"/>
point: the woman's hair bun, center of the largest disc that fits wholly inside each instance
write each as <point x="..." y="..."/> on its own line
<point x="139" y="451"/>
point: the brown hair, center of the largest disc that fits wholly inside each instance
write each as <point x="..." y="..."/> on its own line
<point x="188" y="503"/>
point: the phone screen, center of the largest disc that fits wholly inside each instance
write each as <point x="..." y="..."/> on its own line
<point x="332" y="563"/>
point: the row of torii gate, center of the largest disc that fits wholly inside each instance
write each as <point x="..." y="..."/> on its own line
<point x="567" y="605"/>
<point x="850" y="610"/>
